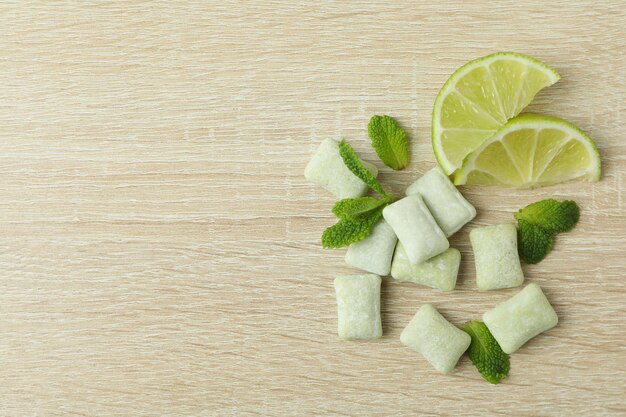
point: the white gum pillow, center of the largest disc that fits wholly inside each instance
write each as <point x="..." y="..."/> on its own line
<point x="374" y="253"/>
<point x="327" y="169"/>
<point x="447" y="205"/>
<point x="496" y="258"/>
<point x="416" y="229"/>
<point x="438" y="272"/>
<point x="520" y="318"/>
<point x="435" y="338"/>
<point x="358" y="306"/>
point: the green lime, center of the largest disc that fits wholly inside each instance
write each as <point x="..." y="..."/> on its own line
<point x="532" y="151"/>
<point x="479" y="98"/>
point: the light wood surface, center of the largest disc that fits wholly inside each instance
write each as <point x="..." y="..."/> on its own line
<point x="160" y="247"/>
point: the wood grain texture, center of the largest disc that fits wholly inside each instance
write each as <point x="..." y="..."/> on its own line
<point x="160" y="247"/>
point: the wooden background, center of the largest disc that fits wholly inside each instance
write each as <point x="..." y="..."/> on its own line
<point x="160" y="251"/>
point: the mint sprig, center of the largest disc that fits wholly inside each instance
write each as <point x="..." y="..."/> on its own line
<point x="389" y="141"/>
<point x="539" y="222"/>
<point x="357" y="216"/>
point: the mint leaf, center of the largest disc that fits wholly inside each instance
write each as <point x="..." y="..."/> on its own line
<point x="485" y="352"/>
<point x="389" y="141"/>
<point x="533" y="242"/>
<point x="348" y="231"/>
<point x="539" y="222"/>
<point x="551" y="215"/>
<point x="352" y="161"/>
<point x="351" y="208"/>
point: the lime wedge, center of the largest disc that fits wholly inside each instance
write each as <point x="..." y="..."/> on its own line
<point x="479" y="98"/>
<point x="532" y="151"/>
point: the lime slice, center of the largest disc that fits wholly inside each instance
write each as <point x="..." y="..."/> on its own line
<point x="532" y="151"/>
<point x="479" y="98"/>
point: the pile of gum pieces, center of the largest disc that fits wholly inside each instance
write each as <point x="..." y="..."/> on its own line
<point x="411" y="245"/>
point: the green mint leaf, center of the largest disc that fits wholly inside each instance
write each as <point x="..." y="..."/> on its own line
<point x="346" y="232"/>
<point x="351" y="208"/>
<point x="485" y="352"/>
<point x="352" y="161"/>
<point x="389" y="141"/>
<point x="551" y="215"/>
<point x="537" y="223"/>
<point x="533" y="242"/>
